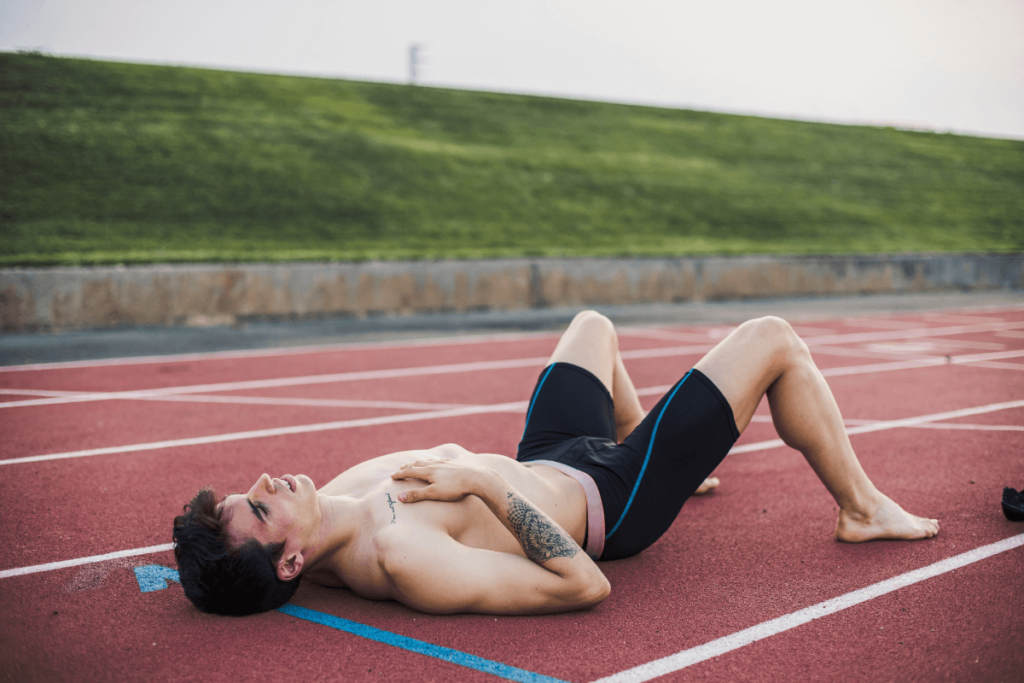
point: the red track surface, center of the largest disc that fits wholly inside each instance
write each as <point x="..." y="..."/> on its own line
<point x="757" y="549"/>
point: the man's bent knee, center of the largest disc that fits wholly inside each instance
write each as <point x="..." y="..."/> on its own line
<point x="779" y="337"/>
<point x="594" y="325"/>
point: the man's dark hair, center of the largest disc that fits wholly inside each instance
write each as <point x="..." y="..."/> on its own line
<point x="217" y="578"/>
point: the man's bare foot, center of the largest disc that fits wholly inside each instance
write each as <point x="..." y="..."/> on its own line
<point x="889" y="521"/>
<point x="710" y="484"/>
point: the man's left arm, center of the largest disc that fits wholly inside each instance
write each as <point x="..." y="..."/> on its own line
<point x="558" y="576"/>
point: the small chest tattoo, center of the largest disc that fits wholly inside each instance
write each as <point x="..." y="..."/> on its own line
<point x="391" y="504"/>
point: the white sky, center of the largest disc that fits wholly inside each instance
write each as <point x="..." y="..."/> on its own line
<point x="937" y="64"/>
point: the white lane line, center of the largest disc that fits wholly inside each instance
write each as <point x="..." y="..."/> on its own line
<point x="963" y="344"/>
<point x="861" y="337"/>
<point x="284" y="351"/>
<point x="805" y="331"/>
<point x="969" y="427"/>
<point x="920" y="363"/>
<point x="476" y="366"/>
<point x="43" y="392"/>
<point x="884" y="354"/>
<point x="692" y="337"/>
<point x="1000" y="366"/>
<point x="882" y="425"/>
<point x="654" y="391"/>
<point x="924" y="425"/>
<point x="527" y="362"/>
<point x="516" y="406"/>
<point x="293" y="350"/>
<point x="945" y="425"/>
<point x="947" y="318"/>
<point x="884" y="324"/>
<point x="309" y="402"/>
<point x="50" y="566"/>
<point x="395" y="373"/>
<point x="716" y="648"/>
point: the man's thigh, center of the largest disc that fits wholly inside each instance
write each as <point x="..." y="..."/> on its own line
<point x="590" y="343"/>
<point x="746" y="363"/>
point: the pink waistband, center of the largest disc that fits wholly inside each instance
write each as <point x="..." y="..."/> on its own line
<point x="595" y="510"/>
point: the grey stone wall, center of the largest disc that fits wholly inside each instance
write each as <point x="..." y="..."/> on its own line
<point x="37" y="299"/>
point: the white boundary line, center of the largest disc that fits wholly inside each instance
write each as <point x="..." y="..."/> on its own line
<point x="882" y="425"/>
<point x="921" y="363"/>
<point x="933" y="425"/>
<point x="884" y="323"/>
<point x="969" y="427"/>
<point x="695" y="655"/>
<point x="308" y="402"/>
<point x="259" y="400"/>
<point x="476" y="366"/>
<point x="858" y="352"/>
<point x="433" y="341"/>
<point x="887" y="335"/>
<point x="964" y="344"/>
<point x="395" y="373"/>
<point x="1000" y="366"/>
<point x="955" y="318"/>
<point x="715" y="648"/>
<point x="43" y="392"/>
<point x="50" y="566"/>
<point x="666" y="335"/>
<point x="515" y="406"/>
<point x="925" y="425"/>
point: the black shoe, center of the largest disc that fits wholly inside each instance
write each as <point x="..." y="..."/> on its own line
<point x="1013" y="505"/>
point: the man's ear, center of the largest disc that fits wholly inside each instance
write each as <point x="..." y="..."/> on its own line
<point x="289" y="566"/>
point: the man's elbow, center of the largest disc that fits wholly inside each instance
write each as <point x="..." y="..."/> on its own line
<point x="596" y="591"/>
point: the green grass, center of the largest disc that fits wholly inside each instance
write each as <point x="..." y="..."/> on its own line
<point x="121" y="163"/>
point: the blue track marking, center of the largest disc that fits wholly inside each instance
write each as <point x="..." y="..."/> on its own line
<point x="443" y="653"/>
<point x="539" y="387"/>
<point x="647" y="458"/>
<point x="154" y="577"/>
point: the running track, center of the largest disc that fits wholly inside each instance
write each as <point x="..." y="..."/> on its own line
<point x="746" y="586"/>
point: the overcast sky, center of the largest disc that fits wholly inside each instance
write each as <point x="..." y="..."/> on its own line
<point x="934" y="64"/>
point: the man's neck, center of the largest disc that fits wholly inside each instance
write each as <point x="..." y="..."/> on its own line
<point x="337" y="527"/>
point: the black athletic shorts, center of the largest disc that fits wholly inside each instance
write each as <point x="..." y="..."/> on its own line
<point x="644" y="481"/>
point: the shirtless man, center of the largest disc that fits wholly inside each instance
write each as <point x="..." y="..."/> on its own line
<point x="445" y="530"/>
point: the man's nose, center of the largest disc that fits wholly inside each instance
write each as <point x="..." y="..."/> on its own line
<point x="265" y="483"/>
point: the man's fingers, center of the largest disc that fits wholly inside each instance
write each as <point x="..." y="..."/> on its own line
<point x="415" y="471"/>
<point x="413" y="495"/>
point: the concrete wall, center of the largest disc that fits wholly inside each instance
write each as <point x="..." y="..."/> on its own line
<point x="36" y="299"/>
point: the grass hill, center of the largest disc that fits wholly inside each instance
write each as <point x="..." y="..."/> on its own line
<point x="122" y="163"/>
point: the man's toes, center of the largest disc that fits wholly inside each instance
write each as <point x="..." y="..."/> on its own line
<point x="709" y="484"/>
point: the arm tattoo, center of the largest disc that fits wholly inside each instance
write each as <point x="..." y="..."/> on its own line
<point x="541" y="538"/>
<point x="391" y="504"/>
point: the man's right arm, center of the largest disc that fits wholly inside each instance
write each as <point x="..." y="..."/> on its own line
<point x="435" y="573"/>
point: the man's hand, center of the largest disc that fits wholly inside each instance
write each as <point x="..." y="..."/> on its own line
<point x="448" y="480"/>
